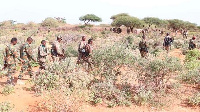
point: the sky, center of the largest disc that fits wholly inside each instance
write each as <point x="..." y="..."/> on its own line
<point x="24" y="11"/>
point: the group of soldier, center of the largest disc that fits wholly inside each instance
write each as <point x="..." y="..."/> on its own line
<point x="57" y="53"/>
<point x="168" y="40"/>
<point x="25" y="55"/>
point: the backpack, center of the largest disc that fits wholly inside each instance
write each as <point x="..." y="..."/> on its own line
<point x="192" y="45"/>
<point x="143" y="46"/>
<point x="167" y="41"/>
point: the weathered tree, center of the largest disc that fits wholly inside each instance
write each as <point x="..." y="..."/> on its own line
<point x="90" y="18"/>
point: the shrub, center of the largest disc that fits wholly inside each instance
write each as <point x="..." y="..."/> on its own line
<point x="142" y="97"/>
<point x="46" y="81"/>
<point x="191" y="77"/>
<point x="7" y="90"/>
<point x="191" y="59"/>
<point x="192" y="55"/>
<point x="6" y="107"/>
<point x="194" y="100"/>
<point x="106" y="91"/>
<point x="50" y="22"/>
<point x="71" y="52"/>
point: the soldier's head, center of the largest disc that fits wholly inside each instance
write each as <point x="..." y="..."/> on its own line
<point x="14" y="41"/>
<point x="144" y="37"/>
<point x="59" y="38"/>
<point x="83" y="38"/>
<point x="29" y="40"/>
<point x="167" y="34"/>
<point x="90" y="41"/>
<point x="43" y="42"/>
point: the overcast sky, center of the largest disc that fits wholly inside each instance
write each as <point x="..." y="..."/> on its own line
<point x="24" y="11"/>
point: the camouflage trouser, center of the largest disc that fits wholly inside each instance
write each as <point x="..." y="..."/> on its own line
<point x="26" y="67"/>
<point x="11" y="71"/>
<point x="143" y="53"/>
<point x="56" y="58"/>
<point x="42" y="65"/>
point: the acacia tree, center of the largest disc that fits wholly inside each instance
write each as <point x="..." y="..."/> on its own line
<point x="128" y="21"/>
<point x="119" y="15"/>
<point x="155" y="21"/>
<point x="90" y="18"/>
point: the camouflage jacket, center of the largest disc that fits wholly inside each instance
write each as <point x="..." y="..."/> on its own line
<point x="56" y="49"/>
<point x="26" y="53"/>
<point x="42" y="52"/>
<point x="81" y="46"/>
<point x="11" y="54"/>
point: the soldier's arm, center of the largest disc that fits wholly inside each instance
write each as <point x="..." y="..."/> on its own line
<point x="16" y="55"/>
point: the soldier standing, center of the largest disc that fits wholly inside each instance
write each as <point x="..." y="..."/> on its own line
<point x="88" y="53"/>
<point x="192" y="44"/>
<point x="56" y="50"/>
<point x="10" y="58"/>
<point x="143" y="47"/>
<point x="27" y="55"/>
<point x="81" y="49"/>
<point x="167" y="42"/>
<point x="42" y="55"/>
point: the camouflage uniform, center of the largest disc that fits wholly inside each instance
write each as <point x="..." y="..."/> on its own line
<point x="27" y="56"/>
<point x="42" y="55"/>
<point x="192" y="44"/>
<point x="10" y="58"/>
<point x="81" y="49"/>
<point x="57" y="51"/>
<point x="143" y="48"/>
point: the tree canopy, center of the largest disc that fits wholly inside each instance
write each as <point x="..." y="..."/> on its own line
<point x="155" y="21"/>
<point x="90" y="18"/>
<point x="119" y="15"/>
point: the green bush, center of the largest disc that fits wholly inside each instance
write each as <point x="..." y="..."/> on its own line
<point x="71" y="52"/>
<point x="194" y="100"/>
<point x="192" y="55"/>
<point x="7" y="90"/>
<point x="50" y="22"/>
<point x="106" y="91"/>
<point x="6" y="107"/>
<point x="142" y="97"/>
<point x="46" y="81"/>
<point x="191" y="77"/>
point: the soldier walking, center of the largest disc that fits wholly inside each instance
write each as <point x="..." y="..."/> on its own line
<point x="56" y="50"/>
<point x="27" y="55"/>
<point x="42" y="55"/>
<point x="10" y="58"/>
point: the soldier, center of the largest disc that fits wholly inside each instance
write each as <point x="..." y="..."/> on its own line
<point x="49" y="30"/>
<point x="81" y="49"/>
<point x="192" y="44"/>
<point x="42" y="55"/>
<point x="88" y="53"/>
<point x="27" y="55"/>
<point x="56" y="50"/>
<point x="167" y="42"/>
<point x="143" y="47"/>
<point x="185" y="33"/>
<point x="10" y="58"/>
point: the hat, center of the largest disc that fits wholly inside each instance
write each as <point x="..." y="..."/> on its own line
<point x="194" y="38"/>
